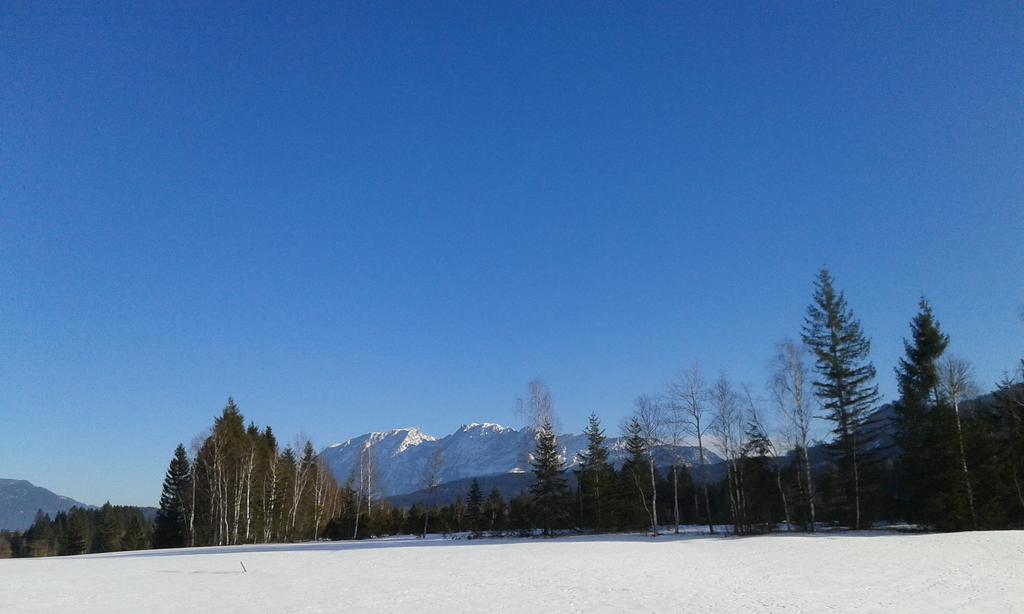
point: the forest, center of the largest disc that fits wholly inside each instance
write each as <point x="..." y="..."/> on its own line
<point x="944" y="456"/>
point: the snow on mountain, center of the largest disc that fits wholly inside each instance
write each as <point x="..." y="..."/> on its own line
<point x="400" y="457"/>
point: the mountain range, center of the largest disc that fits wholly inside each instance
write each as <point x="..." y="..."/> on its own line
<point x="400" y="458"/>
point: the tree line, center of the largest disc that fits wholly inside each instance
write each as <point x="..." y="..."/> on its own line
<point x="80" y="531"/>
<point x="942" y="456"/>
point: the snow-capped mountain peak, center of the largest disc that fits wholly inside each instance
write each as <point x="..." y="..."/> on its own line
<point x="400" y="458"/>
<point x="484" y="428"/>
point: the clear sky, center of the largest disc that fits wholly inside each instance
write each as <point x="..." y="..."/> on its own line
<point x="355" y="217"/>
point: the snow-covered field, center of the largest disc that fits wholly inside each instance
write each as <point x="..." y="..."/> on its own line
<point x="865" y="572"/>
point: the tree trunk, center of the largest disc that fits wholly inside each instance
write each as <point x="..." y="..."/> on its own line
<point x="704" y="473"/>
<point x="856" y="485"/>
<point x="192" y="510"/>
<point x="782" y="494"/>
<point x="1016" y="483"/>
<point x="248" y="492"/>
<point x="730" y="472"/>
<point x="810" y="484"/>
<point x="675" y="498"/>
<point x="654" y="499"/>
<point x="963" y="464"/>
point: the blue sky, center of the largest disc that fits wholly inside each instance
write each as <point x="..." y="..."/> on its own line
<point x="356" y="217"/>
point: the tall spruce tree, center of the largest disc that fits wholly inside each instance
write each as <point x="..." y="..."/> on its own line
<point x="917" y="372"/>
<point x="595" y="478"/>
<point x="108" y="535"/>
<point x="171" y="525"/>
<point x="549" y="489"/>
<point x="40" y="535"/>
<point x="918" y="426"/>
<point x="134" y="537"/>
<point x="845" y="382"/>
<point x="634" y="486"/>
<point x="78" y="535"/>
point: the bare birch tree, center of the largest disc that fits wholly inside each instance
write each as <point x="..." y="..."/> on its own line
<point x="796" y="405"/>
<point x="431" y="479"/>
<point x="366" y="482"/>
<point x="956" y="382"/>
<point x="675" y="429"/>
<point x="324" y="493"/>
<point x="537" y="406"/>
<point x="301" y="479"/>
<point x="249" y="468"/>
<point x="650" y="417"/>
<point x="688" y="391"/>
<point x="727" y="427"/>
<point x="270" y="496"/>
<point x="536" y="410"/>
<point x="197" y="445"/>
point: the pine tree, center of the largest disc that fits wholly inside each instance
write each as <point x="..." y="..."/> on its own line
<point x="922" y="463"/>
<point x="549" y="488"/>
<point x="760" y="456"/>
<point x="633" y="482"/>
<point x="1007" y="417"/>
<point x="474" y="508"/>
<point x="917" y="372"/>
<point x="77" y="537"/>
<point x="108" y="538"/>
<point x="595" y="477"/>
<point x="520" y="515"/>
<point x="171" y="525"/>
<point x="134" y="537"/>
<point x="846" y="381"/>
<point x="40" y="535"/>
<point x="287" y="466"/>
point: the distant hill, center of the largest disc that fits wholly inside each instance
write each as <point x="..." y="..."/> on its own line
<point x="20" y="499"/>
<point x="511" y="485"/>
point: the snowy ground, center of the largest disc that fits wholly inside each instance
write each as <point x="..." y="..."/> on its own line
<point x="865" y="572"/>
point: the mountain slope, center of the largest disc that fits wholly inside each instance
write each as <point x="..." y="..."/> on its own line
<point x="20" y="499"/>
<point x="399" y="458"/>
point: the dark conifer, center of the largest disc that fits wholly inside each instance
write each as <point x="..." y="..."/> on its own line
<point x="134" y="536"/>
<point x="634" y="489"/>
<point x="108" y="536"/>
<point x="40" y="535"/>
<point x="917" y="372"/>
<point x="549" y="489"/>
<point x="595" y="478"/>
<point x="919" y="429"/>
<point x="170" y="531"/>
<point x="474" y="508"/>
<point x="78" y="535"/>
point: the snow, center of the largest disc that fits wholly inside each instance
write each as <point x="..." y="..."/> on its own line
<point x="851" y="572"/>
